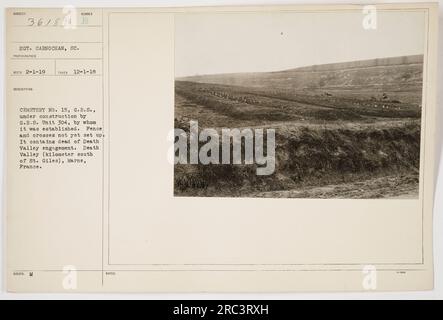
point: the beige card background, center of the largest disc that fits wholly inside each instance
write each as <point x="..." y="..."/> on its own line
<point x="116" y="220"/>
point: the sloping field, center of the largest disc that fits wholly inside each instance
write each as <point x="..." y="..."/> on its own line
<point x="347" y="130"/>
<point x="250" y="106"/>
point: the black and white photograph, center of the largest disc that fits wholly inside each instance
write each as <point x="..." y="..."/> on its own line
<point x="221" y="151"/>
<point x="327" y="105"/>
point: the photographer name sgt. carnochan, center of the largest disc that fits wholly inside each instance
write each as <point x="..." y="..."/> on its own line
<point x="204" y="147"/>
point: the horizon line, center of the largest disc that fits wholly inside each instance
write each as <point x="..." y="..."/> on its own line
<point x="294" y="68"/>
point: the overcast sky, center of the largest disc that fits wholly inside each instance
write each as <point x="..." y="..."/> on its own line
<point x="247" y="42"/>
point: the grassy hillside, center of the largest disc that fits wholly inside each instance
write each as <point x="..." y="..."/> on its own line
<point x="310" y="156"/>
<point x="397" y="76"/>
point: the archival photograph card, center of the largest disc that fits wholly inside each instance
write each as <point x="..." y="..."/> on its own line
<point x="221" y="149"/>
